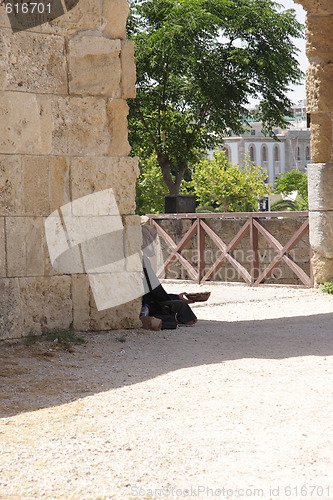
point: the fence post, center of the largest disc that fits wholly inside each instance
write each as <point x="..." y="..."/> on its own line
<point x="201" y="250"/>
<point x="254" y="251"/>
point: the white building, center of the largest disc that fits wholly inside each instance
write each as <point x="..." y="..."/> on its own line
<point x="289" y="150"/>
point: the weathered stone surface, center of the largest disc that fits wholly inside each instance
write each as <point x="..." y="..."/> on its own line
<point x="81" y="302"/>
<point x="11" y="324"/>
<point x="319" y="88"/>
<point x="128" y="70"/>
<point x="2" y="248"/>
<point x="80" y="126"/>
<point x="63" y="136"/>
<point x="322" y="268"/>
<point x="32" y="185"/>
<point x="46" y="184"/>
<point x="320" y="179"/>
<point x="59" y="194"/>
<point x="124" y="316"/>
<point x="11" y="188"/>
<point x="94" y="65"/>
<point x="321" y="137"/>
<point x="89" y="175"/>
<point x="46" y="303"/>
<point x="25" y="246"/>
<point x="117" y="111"/>
<point x="40" y="67"/>
<point x="319" y="39"/>
<point x="25" y="123"/>
<point x="321" y="232"/>
<point x="321" y="7"/>
<point x="86" y="15"/>
<point x="114" y="18"/>
<point x="133" y="241"/>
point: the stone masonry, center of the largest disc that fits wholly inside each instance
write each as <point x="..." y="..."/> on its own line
<point x="320" y="107"/>
<point x="63" y="135"/>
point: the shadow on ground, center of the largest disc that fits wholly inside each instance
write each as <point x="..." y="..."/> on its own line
<point x="41" y="376"/>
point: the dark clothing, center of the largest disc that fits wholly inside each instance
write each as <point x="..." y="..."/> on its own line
<point x="155" y="294"/>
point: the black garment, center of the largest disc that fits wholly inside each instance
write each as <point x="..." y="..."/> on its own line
<point x="157" y="295"/>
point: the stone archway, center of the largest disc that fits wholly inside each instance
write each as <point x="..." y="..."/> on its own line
<point x="319" y="83"/>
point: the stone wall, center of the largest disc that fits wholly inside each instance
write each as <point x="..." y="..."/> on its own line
<point x="281" y="229"/>
<point x="63" y="135"/>
<point x="320" y="106"/>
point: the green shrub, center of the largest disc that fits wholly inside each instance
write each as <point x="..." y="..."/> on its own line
<point x="327" y="287"/>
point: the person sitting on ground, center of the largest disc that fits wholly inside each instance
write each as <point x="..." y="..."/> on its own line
<point x="155" y="294"/>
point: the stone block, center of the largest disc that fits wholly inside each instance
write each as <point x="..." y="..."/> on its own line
<point x="321" y="232"/>
<point x="36" y="185"/>
<point x="319" y="39"/>
<point x="319" y="88"/>
<point x="11" y="321"/>
<point x="128" y="70"/>
<point x="81" y="302"/>
<point x="25" y="246"/>
<point x="2" y="248"/>
<point x="114" y="17"/>
<point x="80" y="126"/>
<point x="45" y="183"/>
<point x="11" y="185"/>
<point x="77" y="15"/>
<point x="94" y="65"/>
<point x="90" y="175"/>
<point x="59" y="194"/>
<point x="322" y="268"/>
<point x="321" y="137"/>
<point x="117" y="111"/>
<point x="46" y="303"/>
<point x="317" y="7"/>
<point x="133" y="240"/>
<point x="320" y="180"/>
<point x="25" y="123"/>
<point x="40" y="67"/>
<point x="85" y="16"/>
<point x="122" y="316"/>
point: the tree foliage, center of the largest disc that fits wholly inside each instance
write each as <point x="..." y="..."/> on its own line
<point x="198" y="64"/>
<point x="295" y="180"/>
<point x="220" y="184"/>
<point x="150" y="187"/>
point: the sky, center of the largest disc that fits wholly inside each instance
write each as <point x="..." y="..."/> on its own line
<point x="297" y="93"/>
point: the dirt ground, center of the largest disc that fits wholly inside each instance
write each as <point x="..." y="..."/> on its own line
<point x="238" y="406"/>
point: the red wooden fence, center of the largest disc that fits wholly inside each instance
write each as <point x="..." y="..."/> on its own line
<point x="252" y="225"/>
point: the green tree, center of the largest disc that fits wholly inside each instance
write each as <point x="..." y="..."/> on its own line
<point x="295" y="180"/>
<point x="218" y="183"/>
<point x="150" y="187"/>
<point x="198" y="64"/>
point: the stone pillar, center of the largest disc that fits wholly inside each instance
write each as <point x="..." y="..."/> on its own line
<point x="63" y="135"/>
<point x="320" y="106"/>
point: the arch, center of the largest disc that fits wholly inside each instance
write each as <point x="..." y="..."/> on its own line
<point x="252" y="153"/>
<point x="307" y="153"/>
<point x="227" y="151"/>
<point x="264" y="154"/>
<point x="276" y="161"/>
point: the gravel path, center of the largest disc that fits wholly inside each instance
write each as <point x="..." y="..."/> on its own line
<point x="238" y="406"/>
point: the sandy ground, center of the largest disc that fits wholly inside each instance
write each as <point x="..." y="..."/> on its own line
<point x="238" y="406"/>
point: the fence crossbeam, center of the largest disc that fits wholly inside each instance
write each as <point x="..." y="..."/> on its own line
<point x="253" y="226"/>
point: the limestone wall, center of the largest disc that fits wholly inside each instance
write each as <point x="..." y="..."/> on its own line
<point x="320" y="106"/>
<point x="63" y="135"/>
<point x="281" y="229"/>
